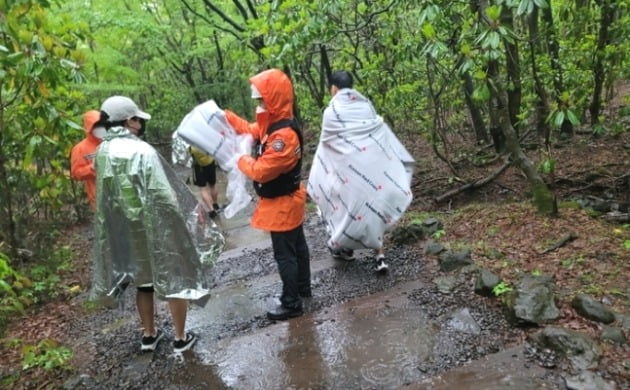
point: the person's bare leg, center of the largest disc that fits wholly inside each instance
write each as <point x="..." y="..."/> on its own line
<point x="179" y="307"/>
<point x="144" y="302"/>
<point x="214" y="193"/>
<point x="206" y="195"/>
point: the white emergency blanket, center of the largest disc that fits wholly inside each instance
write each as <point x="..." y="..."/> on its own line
<point x="361" y="173"/>
<point x="206" y="128"/>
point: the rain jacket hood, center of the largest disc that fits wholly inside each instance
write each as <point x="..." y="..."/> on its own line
<point x="277" y="93"/>
<point x="89" y="119"/>
<point x="82" y="157"/>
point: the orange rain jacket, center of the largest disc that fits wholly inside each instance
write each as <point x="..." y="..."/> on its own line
<point x="285" y="212"/>
<point x="82" y="157"/>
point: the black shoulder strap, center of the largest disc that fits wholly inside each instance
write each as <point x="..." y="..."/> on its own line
<point x="292" y="123"/>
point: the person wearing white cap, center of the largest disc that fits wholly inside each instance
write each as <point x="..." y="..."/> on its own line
<point x="141" y="233"/>
<point x="122" y="111"/>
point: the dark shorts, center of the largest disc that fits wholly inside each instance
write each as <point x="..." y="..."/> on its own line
<point x="146" y="288"/>
<point x="204" y="175"/>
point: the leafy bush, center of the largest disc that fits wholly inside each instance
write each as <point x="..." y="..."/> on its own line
<point x="9" y="299"/>
<point x="47" y="354"/>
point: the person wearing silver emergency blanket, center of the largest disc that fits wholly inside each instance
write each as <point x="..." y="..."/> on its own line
<point x="148" y="228"/>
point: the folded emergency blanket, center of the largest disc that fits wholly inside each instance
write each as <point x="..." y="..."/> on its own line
<point x="361" y="173"/>
<point x="206" y="128"/>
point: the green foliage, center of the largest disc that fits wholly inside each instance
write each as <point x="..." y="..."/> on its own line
<point x="10" y="281"/>
<point x="38" y="283"/>
<point x="438" y="234"/>
<point x="547" y="166"/>
<point x="40" y="59"/>
<point x="501" y="289"/>
<point x="47" y="354"/>
<point x="626" y="244"/>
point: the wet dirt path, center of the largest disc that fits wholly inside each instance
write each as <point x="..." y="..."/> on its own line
<point x="360" y="330"/>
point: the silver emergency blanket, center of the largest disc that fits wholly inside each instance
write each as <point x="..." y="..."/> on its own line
<point x="149" y="228"/>
<point x="361" y="173"/>
<point x="206" y="128"/>
<point x="180" y="151"/>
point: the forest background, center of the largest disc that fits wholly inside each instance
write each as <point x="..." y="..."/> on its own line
<point x="485" y="83"/>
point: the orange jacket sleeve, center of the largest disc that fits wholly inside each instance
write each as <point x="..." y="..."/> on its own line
<point x="280" y="156"/>
<point x="80" y="167"/>
<point x="242" y="126"/>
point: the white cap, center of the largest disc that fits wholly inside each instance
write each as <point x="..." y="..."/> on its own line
<point x="120" y="108"/>
<point x="255" y="93"/>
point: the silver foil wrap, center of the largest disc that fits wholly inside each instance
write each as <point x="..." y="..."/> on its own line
<point x="150" y="228"/>
<point x="180" y="153"/>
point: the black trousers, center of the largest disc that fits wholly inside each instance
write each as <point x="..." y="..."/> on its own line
<point x="291" y="254"/>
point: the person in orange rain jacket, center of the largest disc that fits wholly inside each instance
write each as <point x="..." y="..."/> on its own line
<point x="82" y="155"/>
<point x="276" y="172"/>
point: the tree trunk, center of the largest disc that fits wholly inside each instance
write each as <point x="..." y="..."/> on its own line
<point x="542" y="98"/>
<point x="544" y="199"/>
<point x="513" y="66"/>
<point x="7" y="222"/>
<point x="481" y="132"/>
<point x="554" y="54"/>
<point x="599" y="75"/>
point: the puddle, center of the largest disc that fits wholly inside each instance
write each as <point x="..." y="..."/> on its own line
<point x="375" y="342"/>
<point x="242" y="300"/>
<point x="508" y="369"/>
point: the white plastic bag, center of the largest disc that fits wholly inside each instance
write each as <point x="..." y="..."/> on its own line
<point x="206" y="128"/>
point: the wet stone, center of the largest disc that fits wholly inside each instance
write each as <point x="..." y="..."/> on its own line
<point x="613" y="335"/>
<point x="589" y="308"/>
<point x="462" y="321"/>
<point x="432" y="225"/>
<point x="433" y="248"/>
<point x="445" y="284"/>
<point x="624" y="320"/>
<point x="409" y="234"/>
<point x="578" y="347"/>
<point x="587" y="380"/>
<point x="485" y="282"/>
<point x="533" y="301"/>
<point x="452" y="260"/>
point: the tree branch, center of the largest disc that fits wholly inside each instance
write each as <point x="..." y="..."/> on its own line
<point x="223" y="16"/>
<point x="475" y="184"/>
